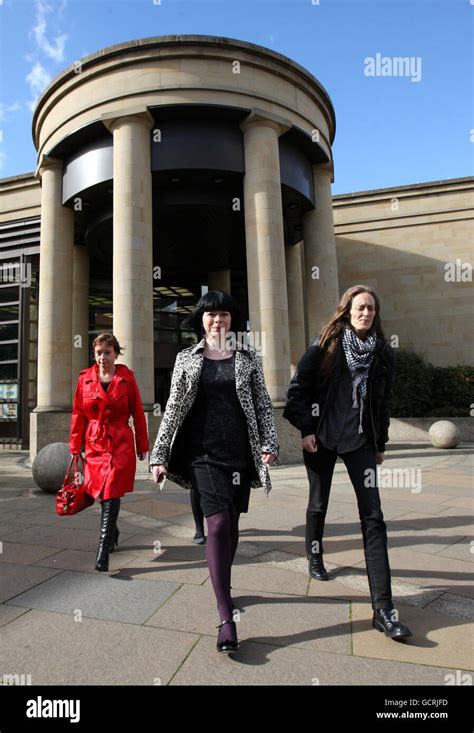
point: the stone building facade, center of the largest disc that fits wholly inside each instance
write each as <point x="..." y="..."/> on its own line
<point x="172" y="164"/>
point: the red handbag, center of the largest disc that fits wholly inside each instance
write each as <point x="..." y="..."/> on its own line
<point x="71" y="497"/>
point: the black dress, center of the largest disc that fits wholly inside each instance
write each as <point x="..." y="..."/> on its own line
<point x="216" y="441"/>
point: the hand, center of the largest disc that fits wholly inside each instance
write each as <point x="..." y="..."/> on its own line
<point x="309" y="444"/>
<point x="268" y="458"/>
<point x="379" y="458"/>
<point x="142" y="456"/>
<point x="159" y="472"/>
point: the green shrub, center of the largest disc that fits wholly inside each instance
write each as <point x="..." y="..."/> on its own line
<point x="453" y="391"/>
<point x="412" y="388"/>
<point x="423" y="390"/>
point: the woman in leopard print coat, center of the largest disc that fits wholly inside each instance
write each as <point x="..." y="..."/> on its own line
<point x="217" y="437"/>
<point x="255" y="401"/>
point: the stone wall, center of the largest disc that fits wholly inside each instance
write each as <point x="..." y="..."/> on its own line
<point x="401" y="241"/>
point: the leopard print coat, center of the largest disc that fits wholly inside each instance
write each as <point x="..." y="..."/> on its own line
<point x="253" y="397"/>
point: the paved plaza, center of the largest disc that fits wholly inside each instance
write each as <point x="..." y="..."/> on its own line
<point x="152" y="620"/>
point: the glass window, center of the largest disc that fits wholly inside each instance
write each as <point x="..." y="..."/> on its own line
<point x="166" y="337"/>
<point x="9" y="312"/>
<point x="9" y="293"/>
<point x="8" y="331"/>
<point x="8" y="352"/>
<point x="8" y="371"/>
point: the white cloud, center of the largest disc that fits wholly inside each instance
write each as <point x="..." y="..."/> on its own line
<point x="53" y="48"/>
<point x="38" y="79"/>
<point x="8" y="109"/>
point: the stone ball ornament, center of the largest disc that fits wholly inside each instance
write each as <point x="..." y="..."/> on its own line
<point x="444" y="434"/>
<point x="50" y="465"/>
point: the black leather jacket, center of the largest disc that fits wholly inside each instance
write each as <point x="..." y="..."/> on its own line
<point x="307" y="399"/>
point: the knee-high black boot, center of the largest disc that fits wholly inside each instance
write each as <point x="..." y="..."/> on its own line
<point x="110" y="511"/>
<point x="114" y="540"/>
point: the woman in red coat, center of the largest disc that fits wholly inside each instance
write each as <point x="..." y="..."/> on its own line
<point x="106" y="396"/>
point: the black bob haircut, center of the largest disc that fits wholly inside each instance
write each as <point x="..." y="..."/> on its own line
<point x="214" y="300"/>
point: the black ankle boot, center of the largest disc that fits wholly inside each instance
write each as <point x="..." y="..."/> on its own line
<point x="199" y="537"/>
<point x="316" y="567"/>
<point x="384" y="620"/>
<point x="110" y="511"/>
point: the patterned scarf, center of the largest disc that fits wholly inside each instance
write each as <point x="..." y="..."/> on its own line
<point x="359" y="357"/>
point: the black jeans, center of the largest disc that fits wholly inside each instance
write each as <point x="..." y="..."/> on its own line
<point x="320" y="469"/>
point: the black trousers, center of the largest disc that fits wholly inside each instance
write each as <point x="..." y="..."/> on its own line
<point x="320" y="469"/>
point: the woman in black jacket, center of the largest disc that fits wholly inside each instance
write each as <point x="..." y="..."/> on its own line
<point x="339" y="400"/>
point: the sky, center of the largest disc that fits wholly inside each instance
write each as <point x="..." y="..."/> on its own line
<point x="393" y="126"/>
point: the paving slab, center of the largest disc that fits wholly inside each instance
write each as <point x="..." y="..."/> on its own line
<point x="437" y="640"/>
<point x="453" y="605"/>
<point x="57" y="650"/>
<point x="159" y="509"/>
<point x="279" y="619"/>
<point x="460" y="550"/>
<point x="20" y="554"/>
<point x="164" y="557"/>
<point x="261" y="576"/>
<point x="8" y="613"/>
<point x="83" y="561"/>
<point x="14" y="579"/>
<point x="54" y="536"/>
<point x="433" y="572"/>
<point x="263" y="664"/>
<point x="97" y="596"/>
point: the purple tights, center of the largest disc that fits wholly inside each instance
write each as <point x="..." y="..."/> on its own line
<point x="222" y="540"/>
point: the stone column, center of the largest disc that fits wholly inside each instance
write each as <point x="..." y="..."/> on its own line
<point x="55" y="292"/>
<point x="322" y="286"/>
<point x="219" y="280"/>
<point x="133" y="244"/>
<point x="80" y="312"/>
<point x="303" y="285"/>
<point x="266" y="276"/>
<point x="295" y="304"/>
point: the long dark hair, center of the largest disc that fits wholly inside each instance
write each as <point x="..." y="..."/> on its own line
<point x="341" y="319"/>
<point x="213" y="300"/>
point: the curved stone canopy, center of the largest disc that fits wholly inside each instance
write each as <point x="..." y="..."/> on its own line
<point x="196" y="91"/>
<point x="164" y="71"/>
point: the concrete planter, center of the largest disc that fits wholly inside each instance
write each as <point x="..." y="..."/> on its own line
<point x="417" y="428"/>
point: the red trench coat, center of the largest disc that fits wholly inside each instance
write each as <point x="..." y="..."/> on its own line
<point x="101" y="418"/>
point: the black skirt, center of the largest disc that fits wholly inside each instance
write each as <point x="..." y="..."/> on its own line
<point x="220" y="486"/>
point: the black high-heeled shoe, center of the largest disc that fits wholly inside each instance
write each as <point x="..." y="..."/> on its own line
<point x="229" y="645"/>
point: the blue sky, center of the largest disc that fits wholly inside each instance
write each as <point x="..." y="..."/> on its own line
<point x="391" y="130"/>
